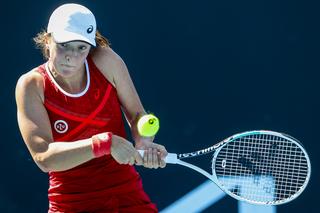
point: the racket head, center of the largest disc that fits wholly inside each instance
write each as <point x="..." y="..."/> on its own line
<point x="262" y="167"/>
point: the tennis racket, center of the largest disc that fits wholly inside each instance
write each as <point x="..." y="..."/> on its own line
<point x="259" y="167"/>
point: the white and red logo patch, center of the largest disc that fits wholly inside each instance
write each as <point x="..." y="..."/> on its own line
<point x="60" y="126"/>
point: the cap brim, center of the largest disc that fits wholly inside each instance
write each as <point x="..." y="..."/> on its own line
<point x="70" y="36"/>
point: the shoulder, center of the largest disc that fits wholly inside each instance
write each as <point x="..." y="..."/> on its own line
<point x="108" y="62"/>
<point x="106" y="55"/>
<point x="30" y="84"/>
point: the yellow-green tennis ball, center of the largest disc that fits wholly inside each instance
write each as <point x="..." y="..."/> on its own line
<point x="148" y="125"/>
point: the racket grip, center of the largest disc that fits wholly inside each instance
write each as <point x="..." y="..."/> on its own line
<point x="170" y="158"/>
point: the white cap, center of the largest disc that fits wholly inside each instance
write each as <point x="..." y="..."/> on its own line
<point x="72" y="22"/>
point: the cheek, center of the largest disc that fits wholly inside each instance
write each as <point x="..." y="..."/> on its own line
<point x="82" y="56"/>
<point x="60" y="53"/>
<point x="85" y="54"/>
<point x="79" y="60"/>
<point x="56" y="55"/>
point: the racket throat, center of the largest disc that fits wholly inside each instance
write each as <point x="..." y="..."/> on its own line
<point x="191" y="166"/>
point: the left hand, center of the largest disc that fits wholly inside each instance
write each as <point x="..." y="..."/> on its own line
<point x="154" y="154"/>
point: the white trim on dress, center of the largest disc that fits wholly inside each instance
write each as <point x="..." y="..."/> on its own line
<point x="77" y="95"/>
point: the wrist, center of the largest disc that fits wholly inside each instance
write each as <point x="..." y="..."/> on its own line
<point x="101" y="144"/>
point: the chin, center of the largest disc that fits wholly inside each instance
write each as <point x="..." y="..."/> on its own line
<point x="67" y="72"/>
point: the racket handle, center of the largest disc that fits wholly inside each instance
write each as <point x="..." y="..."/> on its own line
<point x="170" y="158"/>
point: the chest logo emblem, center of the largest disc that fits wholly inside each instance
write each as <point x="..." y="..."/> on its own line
<point x="60" y="126"/>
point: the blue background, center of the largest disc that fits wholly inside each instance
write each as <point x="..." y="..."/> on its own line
<point x="207" y="69"/>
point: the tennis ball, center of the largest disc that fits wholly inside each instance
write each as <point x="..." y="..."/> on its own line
<point x="148" y="125"/>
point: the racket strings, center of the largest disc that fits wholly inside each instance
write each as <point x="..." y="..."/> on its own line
<point x="267" y="168"/>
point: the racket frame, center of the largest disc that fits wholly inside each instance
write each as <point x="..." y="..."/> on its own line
<point x="174" y="158"/>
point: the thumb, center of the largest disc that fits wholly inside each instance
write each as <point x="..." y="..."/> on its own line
<point x="161" y="149"/>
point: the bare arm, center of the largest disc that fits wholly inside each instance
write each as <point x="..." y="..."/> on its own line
<point x="116" y="71"/>
<point x="36" y="130"/>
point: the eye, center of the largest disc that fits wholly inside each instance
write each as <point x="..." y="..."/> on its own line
<point x="63" y="45"/>
<point x="82" y="48"/>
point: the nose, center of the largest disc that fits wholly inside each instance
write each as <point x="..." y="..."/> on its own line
<point x="71" y="53"/>
<point x="75" y="52"/>
<point x="68" y="58"/>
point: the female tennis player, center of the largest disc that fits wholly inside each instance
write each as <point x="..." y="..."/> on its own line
<point x="70" y="117"/>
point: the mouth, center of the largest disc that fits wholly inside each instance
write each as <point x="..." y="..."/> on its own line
<point x="66" y="65"/>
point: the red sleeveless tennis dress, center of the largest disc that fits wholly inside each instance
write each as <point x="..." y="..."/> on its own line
<point x="99" y="185"/>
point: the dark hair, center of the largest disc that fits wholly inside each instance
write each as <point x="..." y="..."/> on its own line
<point x="42" y="38"/>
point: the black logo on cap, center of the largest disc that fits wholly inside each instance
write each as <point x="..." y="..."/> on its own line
<point x="90" y="29"/>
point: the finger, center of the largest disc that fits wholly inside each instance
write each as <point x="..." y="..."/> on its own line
<point x="138" y="158"/>
<point x="155" y="159"/>
<point x="121" y="161"/>
<point x="145" y="158"/>
<point x="119" y="158"/>
<point x="131" y="161"/>
<point x="125" y="160"/>
<point x="163" y="152"/>
<point x="161" y="149"/>
<point x="150" y="158"/>
<point x="162" y="164"/>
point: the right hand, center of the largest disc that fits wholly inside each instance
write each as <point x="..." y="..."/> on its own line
<point x="124" y="152"/>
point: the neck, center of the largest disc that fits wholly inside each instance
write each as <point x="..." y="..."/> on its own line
<point x="71" y="84"/>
